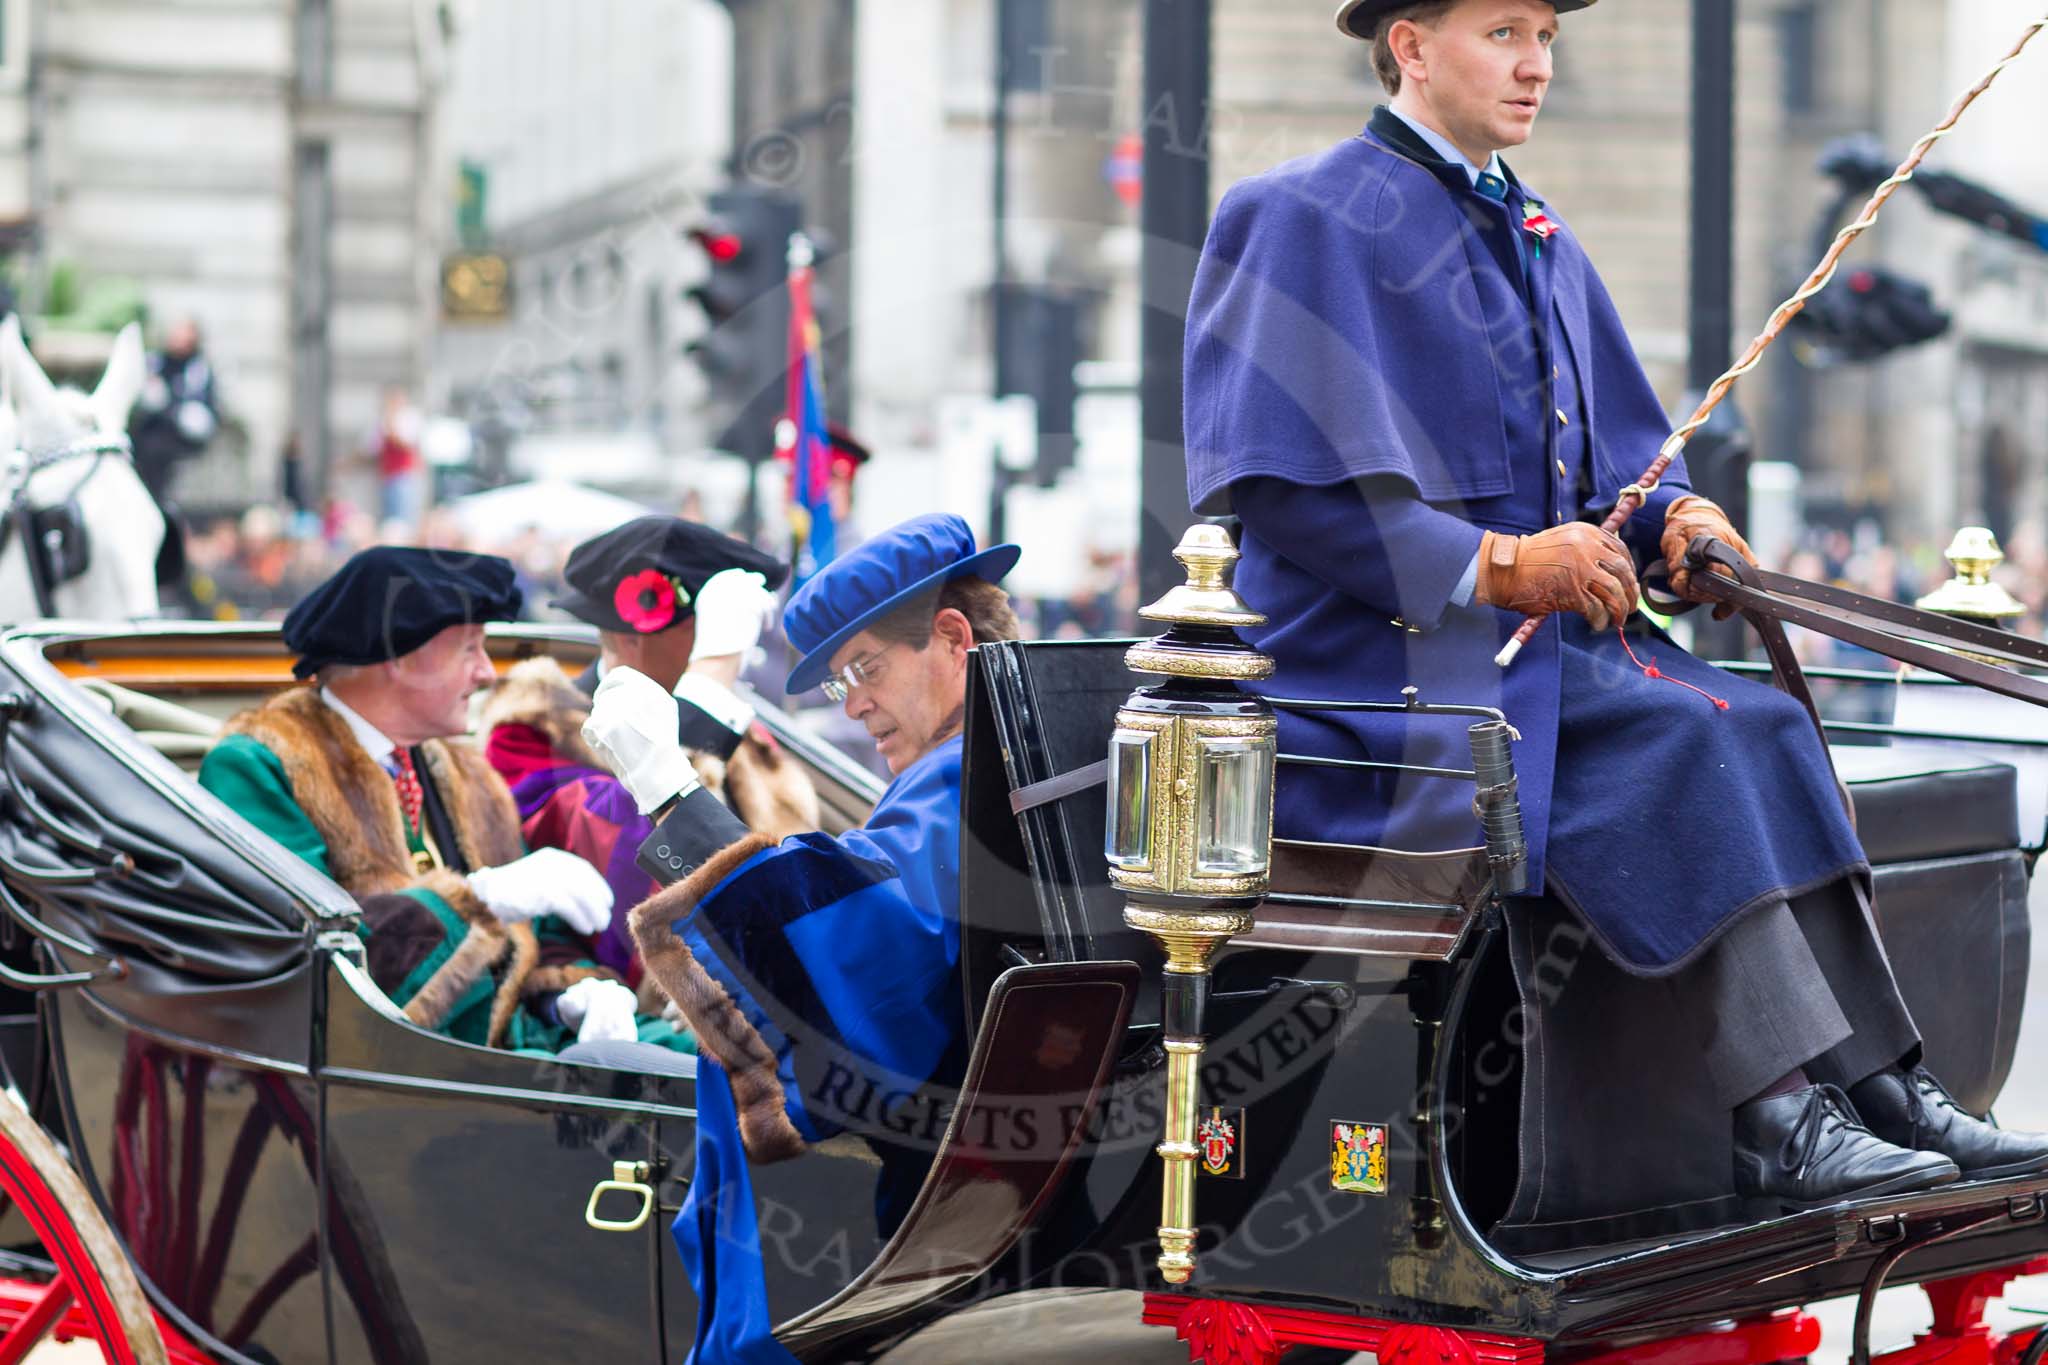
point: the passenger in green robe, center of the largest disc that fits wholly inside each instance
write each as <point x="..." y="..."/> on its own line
<point x="364" y="776"/>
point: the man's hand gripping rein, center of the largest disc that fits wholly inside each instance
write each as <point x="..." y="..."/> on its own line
<point x="1690" y="517"/>
<point x="1574" y="567"/>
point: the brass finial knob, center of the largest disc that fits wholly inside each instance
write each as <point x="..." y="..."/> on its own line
<point x="1971" y="594"/>
<point x="1206" y="599"/>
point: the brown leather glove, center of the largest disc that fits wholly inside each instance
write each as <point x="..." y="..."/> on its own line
<point x="1574" y="567"/>
<point x="1686" y="518"/>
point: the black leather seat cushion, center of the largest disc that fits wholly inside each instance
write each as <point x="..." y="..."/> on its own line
<point x="1914" y="804"/>
<point x="1957" y="934"/>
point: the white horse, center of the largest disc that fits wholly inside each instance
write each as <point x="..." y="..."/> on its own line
<point x="69" y="492"/>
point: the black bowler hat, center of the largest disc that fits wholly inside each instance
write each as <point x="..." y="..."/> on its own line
<point x="1361" y="18"/>
<point x="644" y="576"/>
<point x="389" y="600"/>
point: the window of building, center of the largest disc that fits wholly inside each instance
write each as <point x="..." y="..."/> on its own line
<point x="1027" y="33"/>
<point x="1799" y="46"/>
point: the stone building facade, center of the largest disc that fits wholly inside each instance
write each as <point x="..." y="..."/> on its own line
<point x="260" y="166"/>
<point x="595" y="133"/>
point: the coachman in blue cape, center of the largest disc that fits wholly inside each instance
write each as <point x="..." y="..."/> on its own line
<point x="1399" y="357"/>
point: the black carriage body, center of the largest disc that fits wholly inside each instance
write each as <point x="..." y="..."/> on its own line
<point x="1404" y="1020"/>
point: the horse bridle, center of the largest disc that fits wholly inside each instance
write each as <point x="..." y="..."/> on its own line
<point x="19" y="517"/>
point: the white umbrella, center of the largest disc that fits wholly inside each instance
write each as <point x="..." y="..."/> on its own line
<point x="568" y="511"/>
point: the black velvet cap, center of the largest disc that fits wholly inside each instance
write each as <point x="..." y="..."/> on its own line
<point x="644" y="576"/>
<point x="389" y="600"/>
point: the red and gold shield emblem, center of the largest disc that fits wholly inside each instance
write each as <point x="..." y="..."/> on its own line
<point x="1219" y="1136"/>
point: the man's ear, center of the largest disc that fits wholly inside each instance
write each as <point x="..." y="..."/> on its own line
<point x="1404" y="40"/>
<point x="953" y="628"/>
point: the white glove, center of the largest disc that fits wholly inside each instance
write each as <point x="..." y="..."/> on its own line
<point x="732" y="607"/>
<point x="547" y="881"/>
<point x="599" y="1010"/>
<point x="633" y="724"/>
<point x="195" y="421"/>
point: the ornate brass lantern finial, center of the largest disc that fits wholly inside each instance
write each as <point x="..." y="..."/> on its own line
<point x="1971" y="594"/>
<point x="1190" y="827"/>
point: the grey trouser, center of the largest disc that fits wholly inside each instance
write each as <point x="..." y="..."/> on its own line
<point x="1803" y="983"/>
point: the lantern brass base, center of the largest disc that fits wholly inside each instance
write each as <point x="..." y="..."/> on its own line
<point x="1188" y="937"/>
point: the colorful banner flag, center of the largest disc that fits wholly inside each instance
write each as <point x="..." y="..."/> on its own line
<point x="802" y="437"/>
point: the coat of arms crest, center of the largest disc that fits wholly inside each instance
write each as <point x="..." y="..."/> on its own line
<point x="1219" y="1135"/>
<point x="1358" y="1157"/>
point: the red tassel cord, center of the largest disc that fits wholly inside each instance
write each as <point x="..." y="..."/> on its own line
<point x="1650" y="670"/>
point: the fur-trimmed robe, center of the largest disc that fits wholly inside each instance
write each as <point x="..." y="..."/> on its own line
<point x="352" y="803"/>
<point x="764" y="941"/>
<point x="568" y="798"/>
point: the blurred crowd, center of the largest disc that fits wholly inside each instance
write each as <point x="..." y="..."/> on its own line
<point x="256" y="565"/>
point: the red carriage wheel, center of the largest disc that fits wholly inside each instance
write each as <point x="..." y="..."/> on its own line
<point x="94" y="1294"/>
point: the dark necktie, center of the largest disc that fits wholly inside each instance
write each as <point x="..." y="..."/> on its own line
<point x="411" y="797"/>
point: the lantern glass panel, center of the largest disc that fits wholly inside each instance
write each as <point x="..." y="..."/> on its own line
<point x="1234" y="807"/>
<point x="1128" y="842"/>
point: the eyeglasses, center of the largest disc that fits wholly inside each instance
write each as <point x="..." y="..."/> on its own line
<point x="859" y="673"/>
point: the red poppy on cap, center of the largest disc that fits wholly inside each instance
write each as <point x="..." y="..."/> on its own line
<point x="646" y="601"/>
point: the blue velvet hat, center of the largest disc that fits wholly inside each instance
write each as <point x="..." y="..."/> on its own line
<point x="875" y="578"/>
<point x="389" y="600"/>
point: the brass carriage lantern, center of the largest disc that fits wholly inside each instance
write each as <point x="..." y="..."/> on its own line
<point x="1190" y="829"/>
<point x="1971" y="595"/>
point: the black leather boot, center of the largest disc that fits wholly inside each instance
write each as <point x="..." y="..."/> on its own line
<point x="1807" y="1151"/>
<point x="1912" y="1110"/>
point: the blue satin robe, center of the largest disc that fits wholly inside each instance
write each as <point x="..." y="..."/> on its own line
<point x="856" y="943"/>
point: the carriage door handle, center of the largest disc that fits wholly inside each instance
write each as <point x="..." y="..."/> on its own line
<point x="631" y="1177"/>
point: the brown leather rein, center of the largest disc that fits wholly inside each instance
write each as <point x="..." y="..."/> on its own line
<point x="1768" y="600"/>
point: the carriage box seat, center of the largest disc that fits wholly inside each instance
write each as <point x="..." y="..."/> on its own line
<point x="1916" y="804"/>
<point x="1942" y="832"/>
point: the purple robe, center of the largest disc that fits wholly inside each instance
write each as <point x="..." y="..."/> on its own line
<point x="586" y="811"/>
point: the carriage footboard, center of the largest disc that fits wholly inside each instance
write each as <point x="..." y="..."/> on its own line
<point x="1041" y="1059"/>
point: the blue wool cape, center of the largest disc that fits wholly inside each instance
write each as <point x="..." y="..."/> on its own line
<point x="844" y="953"/>
<point x="1383" y="362"/>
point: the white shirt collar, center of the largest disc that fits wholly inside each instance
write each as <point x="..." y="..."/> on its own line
<point x="1448" y="149"/>
<point x="369" y="736"/>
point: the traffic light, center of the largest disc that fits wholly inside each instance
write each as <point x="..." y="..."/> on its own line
<point x="1868" y="313"/>
<point x="1858" y="165"/>
<point x="1037" y="356"/>
<point x="743" y="350"/>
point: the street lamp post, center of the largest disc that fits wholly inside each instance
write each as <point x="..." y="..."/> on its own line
<point x="1718" y="456"/>
<point x="1173" y="219"/>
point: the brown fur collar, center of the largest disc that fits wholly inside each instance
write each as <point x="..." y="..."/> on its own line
<point x="352" y="802"/>
<point x="722" y="1031"/>
<point x="770" y="790"/>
